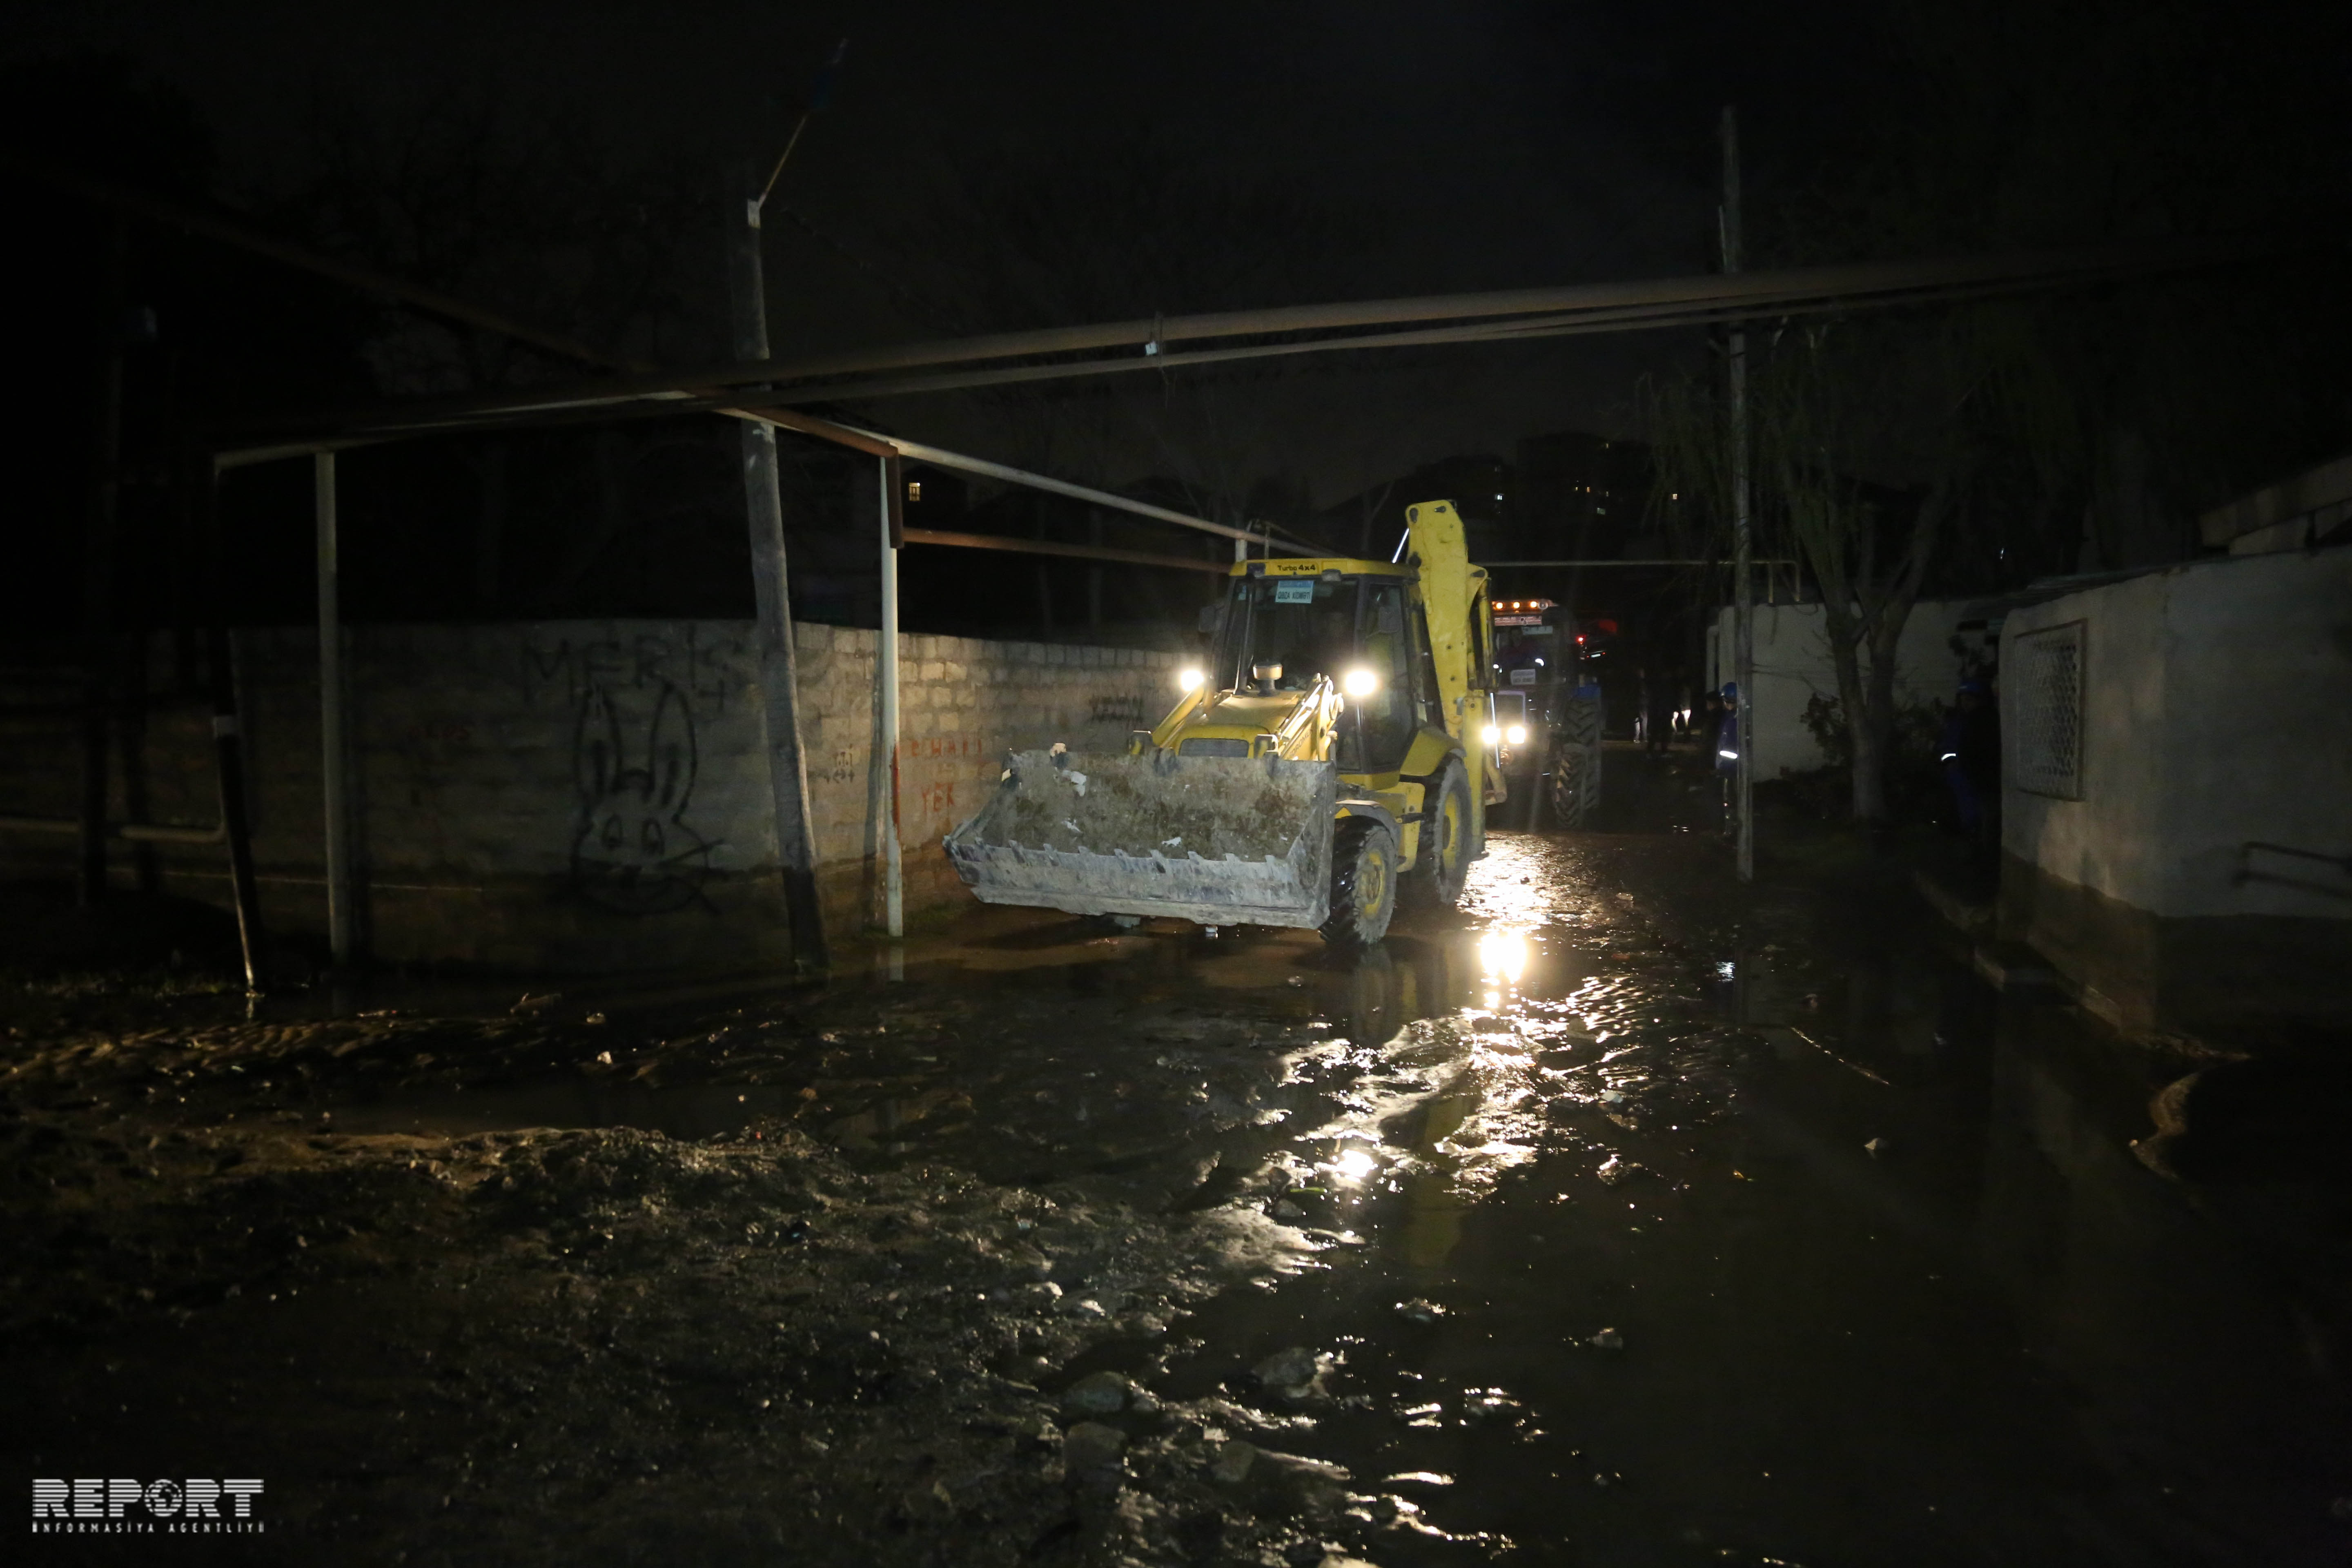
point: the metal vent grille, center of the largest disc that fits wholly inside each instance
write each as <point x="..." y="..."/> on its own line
<point x="2045" y="681"/>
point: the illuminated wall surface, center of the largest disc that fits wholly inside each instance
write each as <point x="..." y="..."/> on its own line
<point x="2177" y="790"/>
<point x="580" y="794"/>
<point x="1792" y="667"/>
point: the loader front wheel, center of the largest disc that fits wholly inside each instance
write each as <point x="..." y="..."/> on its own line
<point x="1363" y="883"/>
<point x="1444" y="863"/>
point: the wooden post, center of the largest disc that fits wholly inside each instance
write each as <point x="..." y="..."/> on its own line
<point x="779" y="674"/>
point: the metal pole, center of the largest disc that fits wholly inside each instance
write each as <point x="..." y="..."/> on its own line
<point x="333" y="782"/>
<point x="779" y="670"/>
<point x="886" y="680"/>
<point x="228" y="741"/>
<point x="97" y="573"/>
<point x="1742" y="525"/>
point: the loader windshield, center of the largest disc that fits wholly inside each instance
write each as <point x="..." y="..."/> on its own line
<point x="1334" y="627"/>
<point x="1306" y="625"/>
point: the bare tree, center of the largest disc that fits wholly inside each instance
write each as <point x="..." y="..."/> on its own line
<point x="1825" y="405"/>
<point x="504" y="197"/>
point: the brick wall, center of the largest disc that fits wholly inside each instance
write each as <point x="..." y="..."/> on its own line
<point x="585" y="795"/>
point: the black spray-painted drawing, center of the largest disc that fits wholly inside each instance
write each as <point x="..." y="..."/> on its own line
<point x="632" y="853"/>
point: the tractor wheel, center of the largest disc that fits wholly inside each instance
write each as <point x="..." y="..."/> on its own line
<point x="1576" y="763"/>
<point x="1444" y="863"/>
<point x="1363" y="883"/>
<point x="1567" y="787"/>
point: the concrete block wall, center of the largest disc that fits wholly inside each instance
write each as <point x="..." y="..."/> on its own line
<point x="2210" y="731"/>
<point x="586" y="795"/>
<point x="963" y="704"/>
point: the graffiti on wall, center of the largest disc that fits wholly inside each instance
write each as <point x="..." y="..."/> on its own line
<point x="632" y="850"/>
<point x="709" y="671"/>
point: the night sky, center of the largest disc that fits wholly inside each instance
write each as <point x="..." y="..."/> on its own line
<point x="1262" y="155"/>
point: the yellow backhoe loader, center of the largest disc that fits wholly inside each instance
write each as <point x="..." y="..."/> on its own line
<point x="1334" y="753"/>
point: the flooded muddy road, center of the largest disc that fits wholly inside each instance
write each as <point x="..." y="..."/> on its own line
<point x="1622" y="1216"/>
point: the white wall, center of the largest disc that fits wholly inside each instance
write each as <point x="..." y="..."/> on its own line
<point x="2217" y="708"/>
<point x="1792" y="664"/>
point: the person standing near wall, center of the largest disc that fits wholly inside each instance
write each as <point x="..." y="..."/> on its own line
<point x="1726" y="756"/>
<point x="1970" y="754"/>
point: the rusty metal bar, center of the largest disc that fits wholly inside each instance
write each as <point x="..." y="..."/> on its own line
<point x="1047" y="547"/>
<point x="127" y="832"/>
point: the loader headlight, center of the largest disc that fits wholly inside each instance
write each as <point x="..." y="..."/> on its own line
<point x="1517" y="734"/>
<point x="1494" y="733"/>
<point x="1359" y="682"/>
<point x="1189" y="680"/>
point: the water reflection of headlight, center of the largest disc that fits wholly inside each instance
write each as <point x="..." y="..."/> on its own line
<point x="1354" y="1166"/>
<point x="1503" y="955"/>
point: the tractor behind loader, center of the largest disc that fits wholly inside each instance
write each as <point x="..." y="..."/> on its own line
<point x="1332" y="755"/>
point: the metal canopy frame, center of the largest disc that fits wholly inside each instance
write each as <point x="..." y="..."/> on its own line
<point x="1053" y="354"/>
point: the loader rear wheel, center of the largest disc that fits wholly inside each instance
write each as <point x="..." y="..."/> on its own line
<point x="1444" y="864"/>
<point x="1363" y="883"/>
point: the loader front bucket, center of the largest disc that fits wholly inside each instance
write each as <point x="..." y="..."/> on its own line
<point x="1220" y="840"/>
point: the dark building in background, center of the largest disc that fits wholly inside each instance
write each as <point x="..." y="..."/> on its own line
<point x="1569" y="496"/>
<point x="1480" y="485"/>
<point x="1580" y="497"/>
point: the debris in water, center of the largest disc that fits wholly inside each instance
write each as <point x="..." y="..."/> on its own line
<point x="1607" y="1340"/>
<point x="1418" y="1310"/>
<point x="1875" y="1147"/>
<point x="1090" y="1446"/>
<point x="1617" y="1168"/>
<point x="1232" y="1463"/>
<point x="1097" y="1393"/>
<point x="1292" y="1368"/>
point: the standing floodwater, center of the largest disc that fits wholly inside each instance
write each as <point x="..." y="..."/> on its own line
<point x="1620" y="1217"/>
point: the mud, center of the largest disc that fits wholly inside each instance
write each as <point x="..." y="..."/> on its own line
<point x="1625" y="1216"/>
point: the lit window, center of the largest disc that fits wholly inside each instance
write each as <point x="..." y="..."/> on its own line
<point x="914" y="490"/>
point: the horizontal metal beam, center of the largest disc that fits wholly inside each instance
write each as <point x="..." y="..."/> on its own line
<point x="1077" y="552"/>
<point x="1661" y="561"/>
<point x="130" y="832"/>
<point x="940" y="457"/>
<point x="1531" y="313"/>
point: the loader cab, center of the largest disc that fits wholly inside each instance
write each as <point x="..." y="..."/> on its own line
<point x="1287" y="626"/>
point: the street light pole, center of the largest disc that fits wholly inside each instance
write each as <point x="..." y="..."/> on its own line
<point x="1743" y="635"/>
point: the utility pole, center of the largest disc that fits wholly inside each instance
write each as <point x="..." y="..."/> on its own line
<point x="98" y="568"/>
<point x="1743" y="614"/>
<point x="779" y="673"/>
